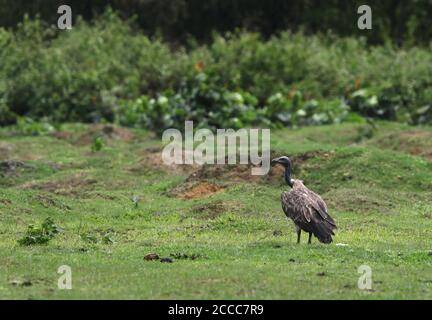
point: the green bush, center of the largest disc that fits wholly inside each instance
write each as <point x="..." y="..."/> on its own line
<point x="40" y="234"/>
<point x="107" y="71"/>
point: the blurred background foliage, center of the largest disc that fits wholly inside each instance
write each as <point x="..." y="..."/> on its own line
<point x="400" y="21"/>
<point x="154" y="64"/>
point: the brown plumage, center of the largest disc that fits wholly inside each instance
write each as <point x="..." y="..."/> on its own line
<point x="306" y="208"/>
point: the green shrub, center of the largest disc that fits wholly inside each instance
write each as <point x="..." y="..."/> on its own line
<point x="98" y="144"/>
<point x="40" y="234"/>
<point x="107" y="71"/>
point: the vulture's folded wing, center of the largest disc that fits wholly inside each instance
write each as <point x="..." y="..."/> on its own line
<point x="309" y="212"/>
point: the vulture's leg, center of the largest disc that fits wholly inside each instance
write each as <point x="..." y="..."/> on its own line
<point x="310" y="237"/>
<point x="298" y="235"/>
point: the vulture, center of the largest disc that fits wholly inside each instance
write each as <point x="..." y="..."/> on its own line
<point x="305" y="207"/>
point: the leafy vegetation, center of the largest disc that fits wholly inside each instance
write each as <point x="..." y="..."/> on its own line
<point x="108" y="71"/>
<point x="399" y="21"/>
<point x="40" y="234"/>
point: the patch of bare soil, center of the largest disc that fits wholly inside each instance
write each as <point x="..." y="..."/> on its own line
<point x="353" y="200"/>
<point x="198" y="190"/>
<point x="100" y="195"/>
<point x="151" y="257"/>
<point x="109" y="132"/>
<point x="49" y="202"/>
<point x="12" y="167"/>
<point x="200" y="184"/>
<point x="75" y="185"/>
<point x="62" y="135"/>
<point x="214" y="209"/>
<point x="5" y="150"/>
<point x="5" y="202"/>
<point x="414" y="142"/>
<point x="243" y="172"/>
<point x="152" y="160"/>
<point x="187" y="256"/>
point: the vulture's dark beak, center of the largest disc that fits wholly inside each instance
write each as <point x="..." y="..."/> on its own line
<point x="274" y="162"/>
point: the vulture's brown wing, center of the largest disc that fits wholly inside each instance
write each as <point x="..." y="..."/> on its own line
<point x="320" y="206"/>
<point x="309" y="212"/>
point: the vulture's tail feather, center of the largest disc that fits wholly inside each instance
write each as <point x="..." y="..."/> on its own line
<point x="324" y="232"/>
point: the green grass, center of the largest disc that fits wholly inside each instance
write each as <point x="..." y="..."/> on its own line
<point x="378" y="190"/>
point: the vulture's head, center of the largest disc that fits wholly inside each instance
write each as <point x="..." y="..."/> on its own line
<point x="286" y="163"/>
<point x="283" y="161"/>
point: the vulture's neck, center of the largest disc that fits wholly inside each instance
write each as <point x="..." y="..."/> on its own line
<point x="288" y="175"/>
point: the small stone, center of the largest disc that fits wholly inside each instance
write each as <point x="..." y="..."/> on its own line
<point x="26" y="283"/>
<point x="341" y="245"/>
<point x="277" y="233"/>
<point x="151" y="256"/>
<point x="21" y="283"/>
<point x="15" y="282"/>
<point x="166" y="260"/>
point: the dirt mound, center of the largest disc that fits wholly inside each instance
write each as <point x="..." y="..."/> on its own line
<point x="243" y="172"/>
<point x="214" y="209"/>
<point x="353" y="200"/>
<point x="152" y="160"/>
<point x="200" y="182"/>
<point x="5" y="150"/>
<point x="71" y="186"/>
<point x="49" y="202"/>
<point x="5" y="202"/>
<point x="198" y="190"/>
<point x="233" y="173"/>
<point x="11" y="167"/>
<point x="414" y="142"/>
<point x="108" y="132"/>
<point x="62" y="135"/>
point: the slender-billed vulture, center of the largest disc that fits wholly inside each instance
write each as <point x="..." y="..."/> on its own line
<point x="305" y="207"/>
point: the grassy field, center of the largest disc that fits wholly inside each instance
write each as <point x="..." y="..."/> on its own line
<point x="224" y="230"/>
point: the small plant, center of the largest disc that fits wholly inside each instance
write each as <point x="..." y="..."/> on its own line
<point x="98" y="144"/>
<point x="40" y="234"/>
<point x="106" y="239"/>
<point x="89" y="238"/>
<point x="135" y="200"/>
<point x="92" y="238"/>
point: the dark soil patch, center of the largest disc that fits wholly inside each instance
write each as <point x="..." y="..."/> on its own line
<point x="277" y="233"/>
<point x="228" y="173"/>
<point x="49" y="202"/>
<point x="100" y="195"/>
<point x="166" y="260"/>
<point x="13" y="168"/>
<point x="21" y="283"/>
<point x="151" y="257"/>
<point x="353" y="200"/>
<point x="214" y="209"/>
<point x="198" y="190"/>
<point x="5" y="202"/>
<point x="186" y="256"/>
<point x="242" y="172"/>
<point x="152" y="160"/>
<point x="200" y="182"/>
<point x="62" y="135"/>
<point x="5" y="150"/>
<point x="70" y="186"/>
<point x="414" y="142"/>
